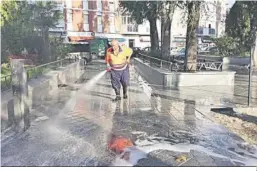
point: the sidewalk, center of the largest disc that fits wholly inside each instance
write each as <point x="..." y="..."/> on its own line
<point x="73" y="127"/>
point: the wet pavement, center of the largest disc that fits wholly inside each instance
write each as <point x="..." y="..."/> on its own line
<point x="73" y="127"/>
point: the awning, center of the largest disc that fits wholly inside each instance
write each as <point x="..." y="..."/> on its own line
<point x="110" y="37"/>
<point x="80" y="36"/>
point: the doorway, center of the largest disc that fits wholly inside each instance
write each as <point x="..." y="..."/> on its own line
<point x="131" y="43"/>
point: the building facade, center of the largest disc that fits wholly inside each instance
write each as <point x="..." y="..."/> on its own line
<point x="86" y="19"/>
<point x="137" y="35"/>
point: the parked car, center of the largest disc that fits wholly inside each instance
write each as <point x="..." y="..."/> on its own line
<point x="146" y="49"/>
<point x="180" y="54"/>
<point x="136" y="50"/>
<point x="83" y="48"/>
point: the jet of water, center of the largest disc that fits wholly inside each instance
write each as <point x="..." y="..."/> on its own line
<point x="76" y="95"/>
<point x="94" y="80"/>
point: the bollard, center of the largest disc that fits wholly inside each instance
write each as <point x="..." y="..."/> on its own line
<point x="21" y="116"/>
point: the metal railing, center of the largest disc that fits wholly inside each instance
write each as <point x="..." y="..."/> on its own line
<point x="36" y="71"/>
<point x="6" y="82"/>
<point x="178" y="65"/>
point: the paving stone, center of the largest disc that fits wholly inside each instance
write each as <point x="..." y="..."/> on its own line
<point x="79" y="123"/>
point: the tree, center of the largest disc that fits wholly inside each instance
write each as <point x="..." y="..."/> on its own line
<point x="7" y="8"/>
<point x="238" y="26"/>
<point x="193" y="9"/>
<point x="28" y="28"/>
<point x="16" y="28"/>
<point x="241" y="23"/>
<point x="45" y="17"/>
<point x="167" y="11"/>
<point x="140" y="10"/>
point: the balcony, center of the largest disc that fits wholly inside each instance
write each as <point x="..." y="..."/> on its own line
<point x="130" y="29"/>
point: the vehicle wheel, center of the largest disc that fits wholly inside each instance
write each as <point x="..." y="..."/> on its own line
<point x="94" y="56"/>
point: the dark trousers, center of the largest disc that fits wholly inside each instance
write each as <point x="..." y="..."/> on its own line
<point x="119" y="78"/>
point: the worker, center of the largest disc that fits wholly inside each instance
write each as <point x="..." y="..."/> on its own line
<point x="118" y="59"/>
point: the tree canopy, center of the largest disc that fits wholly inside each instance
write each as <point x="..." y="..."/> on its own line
<point x="26" y="26"/>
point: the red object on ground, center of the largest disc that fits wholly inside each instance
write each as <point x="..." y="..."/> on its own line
<point x="118" y="144"/>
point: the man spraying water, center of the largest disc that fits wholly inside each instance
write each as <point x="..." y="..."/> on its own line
<point x="118" y="59"/>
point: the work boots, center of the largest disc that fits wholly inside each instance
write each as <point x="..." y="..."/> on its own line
<point x="117" y="95"/>
<point x="125" y="92"/>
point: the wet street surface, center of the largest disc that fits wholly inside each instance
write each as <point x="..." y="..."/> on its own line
<point x="73" y="127"/>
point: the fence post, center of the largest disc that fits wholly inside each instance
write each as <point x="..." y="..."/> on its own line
<point x="161" y="64"/>
<point x="21" y="116"/>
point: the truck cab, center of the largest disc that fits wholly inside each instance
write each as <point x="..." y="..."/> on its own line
<point x="98" y="47"/>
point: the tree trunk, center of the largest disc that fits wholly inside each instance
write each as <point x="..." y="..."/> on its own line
<point x="46" y="50"/>
<point x="154" y="34"/>
<point x="191" y="36"/>
<point x="167" y="16"/>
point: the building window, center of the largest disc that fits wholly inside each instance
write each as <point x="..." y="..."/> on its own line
<point x="99" y="24"/>
<point x="68" y="4"/>
<point x="99" y="20"/>
<point x="60" y="23"/>
<point x="69" y="16"/>
<point x="69" y="20"/>
<point x="111" y="6"/>
<point x="85" y="18"/>
<point x="86" y="27"/>
<point x="99" y="5"/>
<point x="200" y="30"/>
<point x="112" y="24"/>
<point x="85" y="4"/>
<point x="211" y="31"/>
<point x="130" y="21"/>
<point x="132" y="28"/>
<point x="124" y="20"/>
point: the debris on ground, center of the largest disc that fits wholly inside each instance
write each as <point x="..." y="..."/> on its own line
<point x="181" y="158"/>
<point x="119" y="144"/>
<point x="239" y="124"/>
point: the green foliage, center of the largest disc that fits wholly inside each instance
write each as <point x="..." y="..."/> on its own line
<point x="45" y="15"/>
<point x="26" y="26"/>
<point x="6" y="10"/>
<point x="238" y="24"/>
<point x="58" y="48"/>
<point x="140" y="10"/>
<point x="16" y="29"/>
<point x="227" y="46"/>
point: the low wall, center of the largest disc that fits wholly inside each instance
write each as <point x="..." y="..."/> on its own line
<point x="179" y="79"/>
<point x="236" y="60"/>
<point x="227" y="60"/>
<point x="210" y="57"/>
<point x="38" y="90"/>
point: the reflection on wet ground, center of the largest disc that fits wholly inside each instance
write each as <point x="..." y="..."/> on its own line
<point x="80" y="123"/>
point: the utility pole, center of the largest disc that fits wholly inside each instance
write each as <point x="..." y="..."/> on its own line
<point x="250" y="77"/>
